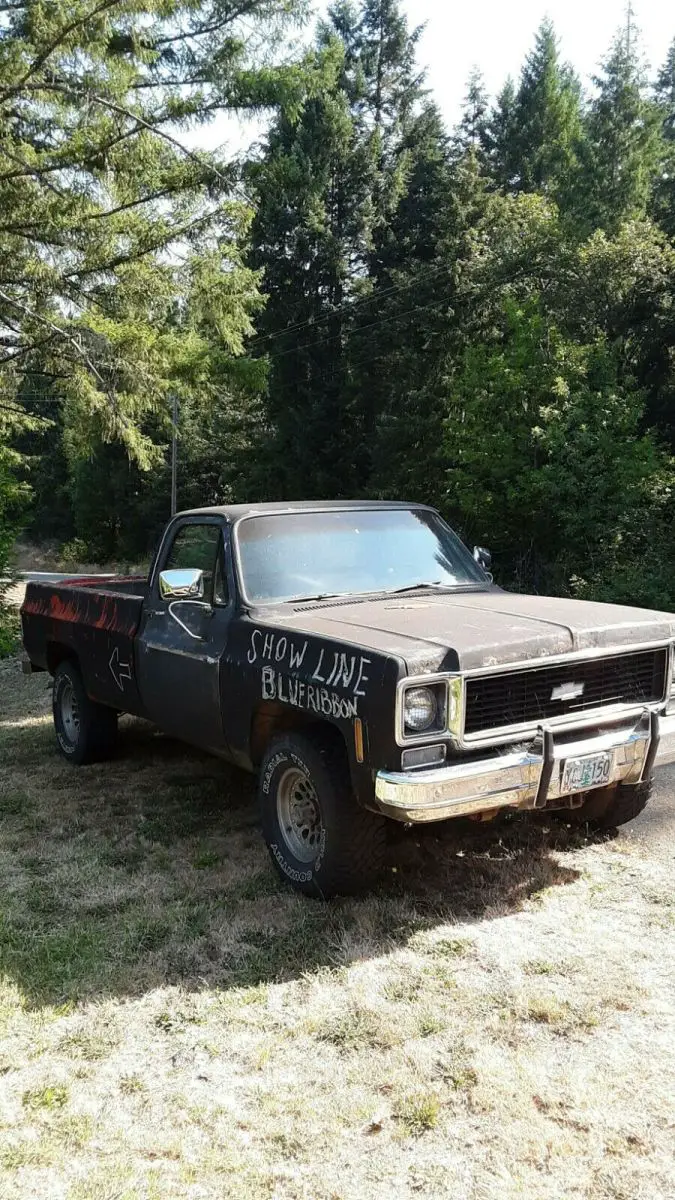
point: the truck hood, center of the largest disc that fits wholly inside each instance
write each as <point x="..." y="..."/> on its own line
<point x="467" y="631"/>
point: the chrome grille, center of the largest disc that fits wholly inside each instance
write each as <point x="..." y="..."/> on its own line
<point x="528" y="696"/>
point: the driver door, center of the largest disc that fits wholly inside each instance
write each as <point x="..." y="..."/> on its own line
<point x="181" y="645"/>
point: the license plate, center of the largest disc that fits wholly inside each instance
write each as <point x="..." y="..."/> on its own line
<point x="579" y="774"/>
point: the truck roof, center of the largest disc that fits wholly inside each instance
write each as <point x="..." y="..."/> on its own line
<point x="233" y="512"/>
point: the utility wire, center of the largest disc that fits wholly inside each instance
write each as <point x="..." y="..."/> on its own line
<point x="348" y="304"/>
<point x="353" y="332"/>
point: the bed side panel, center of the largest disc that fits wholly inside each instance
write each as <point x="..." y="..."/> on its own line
<point x="97" y="626"/>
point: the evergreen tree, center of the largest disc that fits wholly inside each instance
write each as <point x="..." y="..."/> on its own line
<point x="499" y="138"/>
<point x="328" y="185"/>
<point x="472" y="130"/>
<point x="94" y="187"/>
<point x="622" y="141"/>
<point x="310" y="237"/>
<point x="663" y="204"/>
<point x="399" y="327"/>
<point x="546" y="119"/>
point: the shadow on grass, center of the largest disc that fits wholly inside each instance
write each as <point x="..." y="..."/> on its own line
<point x="123" y="877"/>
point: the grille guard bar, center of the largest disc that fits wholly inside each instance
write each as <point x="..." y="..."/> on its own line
<point x="527" y="777"/>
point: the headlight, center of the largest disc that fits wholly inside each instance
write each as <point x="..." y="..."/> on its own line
<point x="420" y="709"/>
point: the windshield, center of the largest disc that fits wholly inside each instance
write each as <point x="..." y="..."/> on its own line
<point x="293" y="556"/>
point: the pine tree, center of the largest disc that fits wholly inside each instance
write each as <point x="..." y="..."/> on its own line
<point x="328" y="184"/>
<point x="546" y="117"/>
<point x="310" y="236"/>
<point x="398" y="329"/>
<point x="499" y="138"/>
<point x="622" y="141"/>
<point x="94" y="187"/>
<point x="472" y="129"/>
<point x="663" y="202"/>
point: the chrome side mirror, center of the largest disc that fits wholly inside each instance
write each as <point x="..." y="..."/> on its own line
<point x="482" y="557"/>
<point x="184" y="583"/>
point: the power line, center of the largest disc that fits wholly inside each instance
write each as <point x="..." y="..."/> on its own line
<point x="348" y="304"/>
<point x="353" y="332"/>
<point x="36" y="397"/>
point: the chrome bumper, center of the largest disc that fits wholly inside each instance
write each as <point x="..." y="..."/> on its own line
<point x="530" y="777"/>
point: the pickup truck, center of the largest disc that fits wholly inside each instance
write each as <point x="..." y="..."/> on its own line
<point x="362" y="662"/>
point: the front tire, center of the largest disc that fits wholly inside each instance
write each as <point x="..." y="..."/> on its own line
<point x="319" y="838"/>
<point x="606" y="808"/>
<point x="85" y="731"/>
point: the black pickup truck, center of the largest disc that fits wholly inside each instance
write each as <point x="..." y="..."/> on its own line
<point x="362" y="662"/>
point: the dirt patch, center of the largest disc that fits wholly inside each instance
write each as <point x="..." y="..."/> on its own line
<point x="498" y="1020"/>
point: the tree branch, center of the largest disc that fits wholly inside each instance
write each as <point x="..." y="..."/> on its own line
<point x="60" y="37"/>
<point x="82" y="94"/>
<point x="246" y="7"/>
<point x="57" y="330"/>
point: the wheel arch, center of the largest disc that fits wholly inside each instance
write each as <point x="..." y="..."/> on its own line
<point x="57" y="653"/>
<point x="270" y="718"/>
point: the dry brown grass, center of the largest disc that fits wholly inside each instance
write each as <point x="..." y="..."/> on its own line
<point x="497" y="1021"/>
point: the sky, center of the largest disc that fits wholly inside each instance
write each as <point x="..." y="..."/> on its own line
<point x="495" y="35"/>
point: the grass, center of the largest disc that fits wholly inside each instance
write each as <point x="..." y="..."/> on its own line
<point x="52" y="1096"/>
<point x="175" y="1022"/>
<point x="418" y="1113"/>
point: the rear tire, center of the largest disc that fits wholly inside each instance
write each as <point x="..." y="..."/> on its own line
<point x="607" y="808"/>
<point x="85" y="731"/>
<point x="319" y="837"/>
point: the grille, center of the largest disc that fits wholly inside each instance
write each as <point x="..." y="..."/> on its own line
<point x="524" y="697"/>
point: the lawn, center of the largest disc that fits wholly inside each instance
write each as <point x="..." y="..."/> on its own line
<point x="498" y="1020"/>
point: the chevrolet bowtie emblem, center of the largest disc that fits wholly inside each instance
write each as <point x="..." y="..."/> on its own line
<point x="568" y="691"/>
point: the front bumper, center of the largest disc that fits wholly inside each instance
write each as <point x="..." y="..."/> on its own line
<point x="528" y="777"/>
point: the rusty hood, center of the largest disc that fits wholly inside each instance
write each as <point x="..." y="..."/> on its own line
<point x="466" y="631"/>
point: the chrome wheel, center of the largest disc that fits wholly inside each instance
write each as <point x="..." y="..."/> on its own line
<point x="299" y="814"/>
<point x="70" y="713"/>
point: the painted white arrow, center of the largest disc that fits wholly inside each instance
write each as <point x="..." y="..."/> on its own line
<point x="119" y="670"/>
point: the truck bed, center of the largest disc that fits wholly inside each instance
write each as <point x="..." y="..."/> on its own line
<point x="91" y="619"/>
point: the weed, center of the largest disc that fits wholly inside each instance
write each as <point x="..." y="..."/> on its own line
<point x="53" y="1095"/>
<point x="358" y="1028"/>
<point x="131" y="1085"/>
<point x="450" y="948"/>
<point x="539" y="966"/>
<point x="430" y="1023"/>
<point x="418" y="1112"/>
<point x="206" y="859"/>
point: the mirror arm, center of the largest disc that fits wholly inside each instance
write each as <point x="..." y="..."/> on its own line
<point x="199" y="604"/>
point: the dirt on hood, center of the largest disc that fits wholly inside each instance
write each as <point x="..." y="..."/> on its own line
<point x="446" y="632"/>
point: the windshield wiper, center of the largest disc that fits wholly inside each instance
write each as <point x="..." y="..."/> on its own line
<point x="319" y="596"/>
<point x="413" y="587"/>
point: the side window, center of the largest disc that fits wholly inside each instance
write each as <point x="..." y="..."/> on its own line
<point x="201" y="547"/>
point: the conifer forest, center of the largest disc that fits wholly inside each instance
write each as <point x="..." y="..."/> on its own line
<point x="360" y="302"/>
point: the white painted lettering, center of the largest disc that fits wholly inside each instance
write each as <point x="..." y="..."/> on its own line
<point x="333" y="671"/>
<point x="297" y="656"/>
<point x="346" y="672"/>
<point x="317" y="673"/>
<point x="253" y="652"/>
<point x="269" y="690"/>
<point x="362" y="677"/>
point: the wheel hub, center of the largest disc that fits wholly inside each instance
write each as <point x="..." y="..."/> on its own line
<point x="299" y="814"/>
<point x="70" y="713"/>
